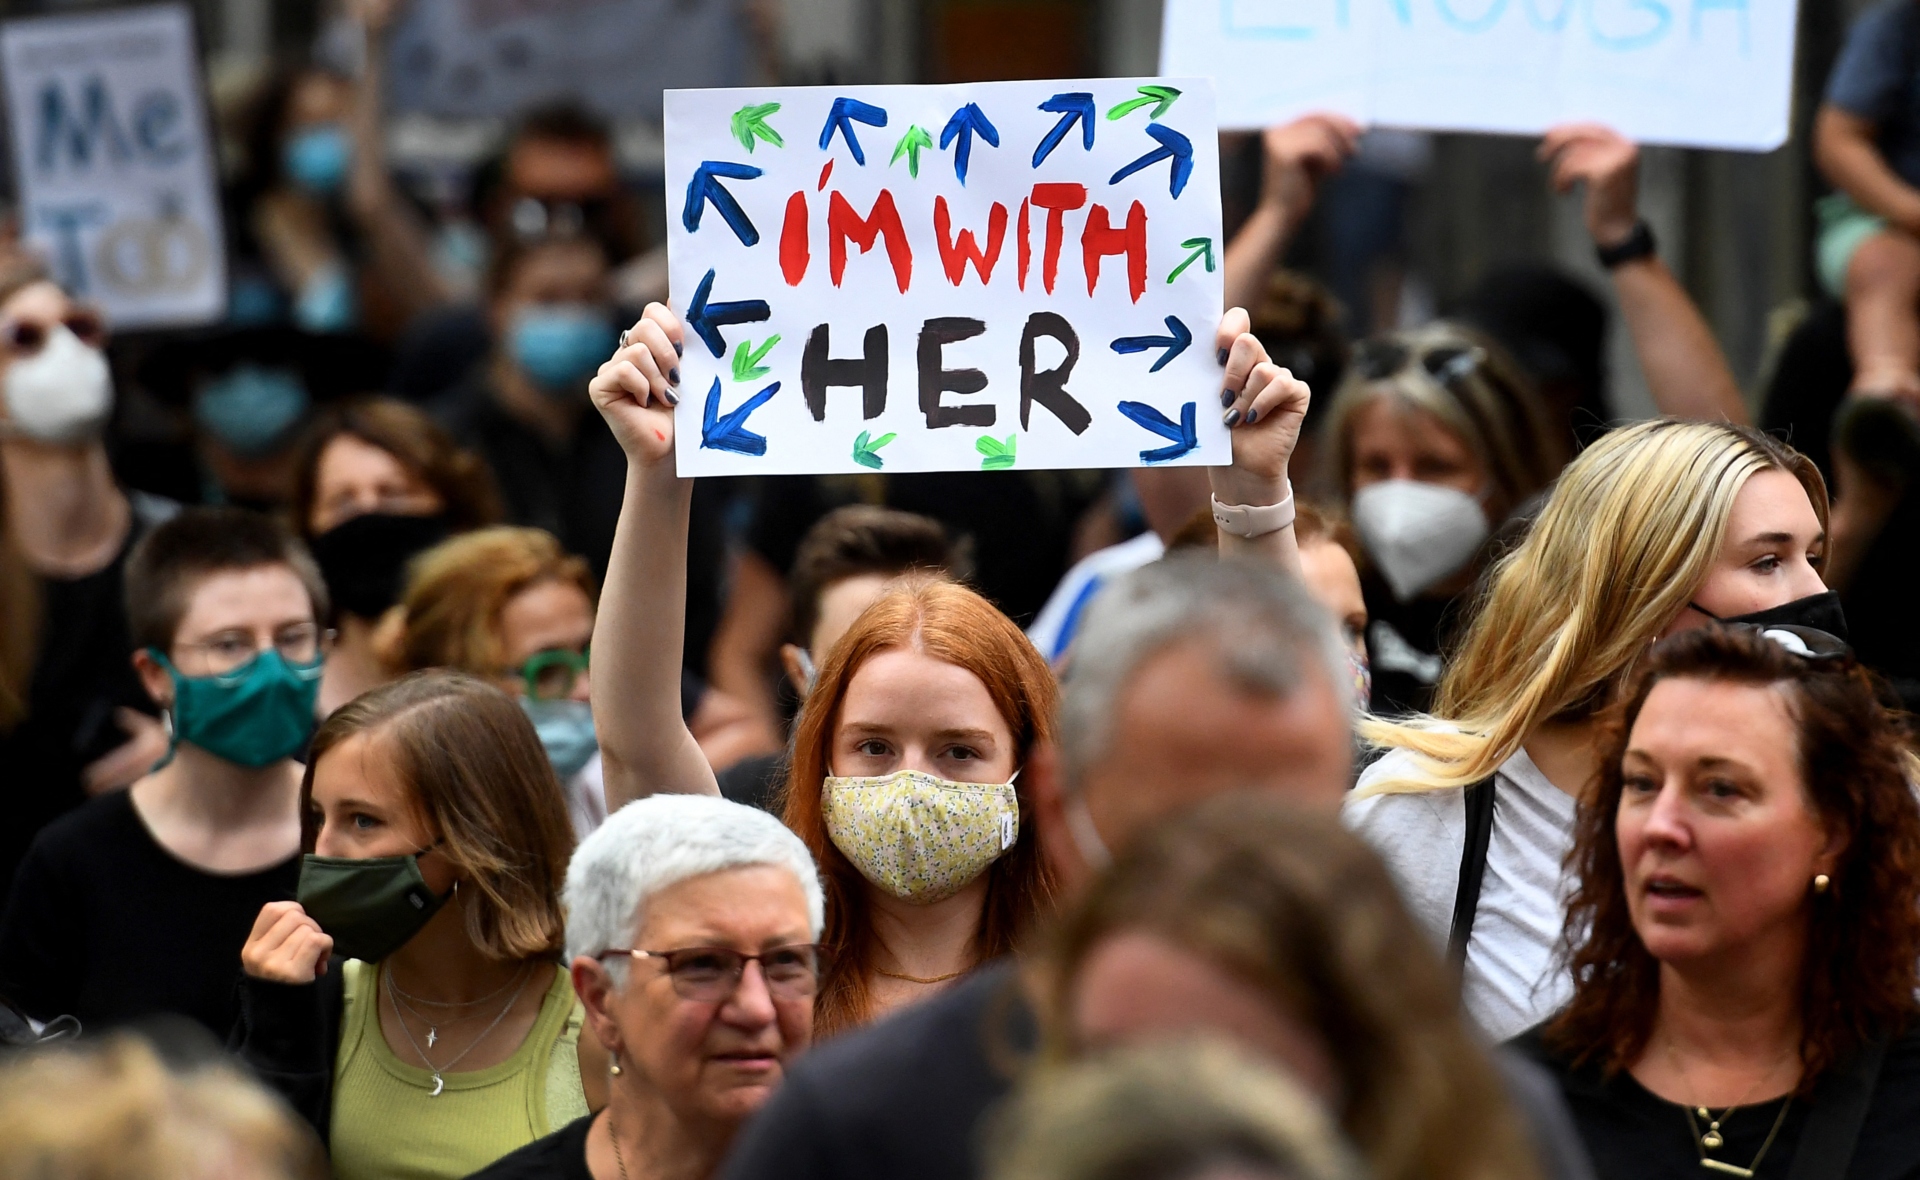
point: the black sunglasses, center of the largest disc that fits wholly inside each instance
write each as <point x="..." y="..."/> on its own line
<point x="1380" y="358"/>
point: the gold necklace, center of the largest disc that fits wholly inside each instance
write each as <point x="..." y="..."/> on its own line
<point x="918" y="979"/>
<point x="613" y="1133"/>
<point x="1712" y="1139"/>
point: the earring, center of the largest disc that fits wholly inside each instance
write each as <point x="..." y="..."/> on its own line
<point x="613" y="1068"/>
<point x="1820" y="882"/>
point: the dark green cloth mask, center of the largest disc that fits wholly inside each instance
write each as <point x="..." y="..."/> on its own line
<point x="254" y="716"/>
<point x="370" y="907"/>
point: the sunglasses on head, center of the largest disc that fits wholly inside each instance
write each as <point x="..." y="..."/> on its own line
<point x="1376" y="360"/>
<point x="26" y="337"/>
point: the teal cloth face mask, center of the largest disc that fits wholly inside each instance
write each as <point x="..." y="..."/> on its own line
<point x="566" y="732"/>
<point x="369" y="907"/>
<point x="254" y="716"/>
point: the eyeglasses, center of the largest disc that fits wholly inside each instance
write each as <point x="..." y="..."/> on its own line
<point x="231" y="653"/>
<point x="550" y="675"/>
<point x="711" y="973"/>
<point x="26" y="337"/>
<point x="1809" y="643"/>
<point x="1380" y="358"/>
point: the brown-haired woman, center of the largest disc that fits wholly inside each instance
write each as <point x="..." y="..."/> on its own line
<point x="1278" y="930"/>
<point x="1745" y="938"/>
<point x="375" y="482"/>
<point x="905" y="774"/>
<point x="448" y="1035"/>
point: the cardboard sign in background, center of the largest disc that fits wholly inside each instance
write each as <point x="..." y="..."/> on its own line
<point x="946" y="278"/>
<point x="113" y="163"/>
<point x="1705" y="73"/>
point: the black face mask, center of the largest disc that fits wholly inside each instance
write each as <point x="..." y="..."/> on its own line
<point x="364" y="560"/>
<point x="1819" y="611"/>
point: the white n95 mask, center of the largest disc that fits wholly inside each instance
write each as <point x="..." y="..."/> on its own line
<point x="919" y="837"/>
<point x="1417" y="533"/>
<point x="61" y="394"/>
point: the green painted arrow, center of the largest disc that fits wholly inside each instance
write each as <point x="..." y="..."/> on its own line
<point x="866" y="453"/>
<point x="751" y="121"/>
<point x="1202" y="248"/>
<point x="1149" y="95"/>
<point x="998" y="455"/>
<point x="909" y="146"/>
<point x="746" y="365"/>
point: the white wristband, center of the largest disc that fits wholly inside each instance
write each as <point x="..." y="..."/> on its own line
<point x="1254" y="520"/>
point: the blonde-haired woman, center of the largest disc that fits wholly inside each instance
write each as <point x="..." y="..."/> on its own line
<point x="1434" y="439"/>
<point x="1657" y="527"/>
<point x="513" y="606"/>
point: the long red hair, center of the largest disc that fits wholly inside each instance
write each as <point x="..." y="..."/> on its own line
<point x="953" y="624"/>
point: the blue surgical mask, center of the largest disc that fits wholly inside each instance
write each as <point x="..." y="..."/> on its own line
<point x="561" y="345"/>
<point x="326" y="302"/>
<point x="566" y="731"/>
<point x="317" y="158"/>
<point x="249" y="409"/>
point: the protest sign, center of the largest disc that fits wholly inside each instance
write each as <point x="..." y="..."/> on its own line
<point x="946" y="278"/>
<point x="498" y="58"/>
<point x="113" y="164"/>
<point x="1706" y="73"/>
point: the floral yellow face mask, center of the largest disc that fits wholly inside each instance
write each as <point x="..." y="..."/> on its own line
<point x="919" y="837"/>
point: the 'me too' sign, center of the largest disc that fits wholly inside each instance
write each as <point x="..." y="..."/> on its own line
<point x="113" y="162"/>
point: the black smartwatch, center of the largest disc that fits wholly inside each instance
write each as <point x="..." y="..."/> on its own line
<point x="1638" y="245"/>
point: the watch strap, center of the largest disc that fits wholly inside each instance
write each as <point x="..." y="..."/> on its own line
<point x="1254" y="520"/>
<point x="1638" y="244"/>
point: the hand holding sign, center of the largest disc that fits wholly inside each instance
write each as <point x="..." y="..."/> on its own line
<point x="1264" y="407"/>
<point x="634" y="391"/>
<point x="1609" y="164"/>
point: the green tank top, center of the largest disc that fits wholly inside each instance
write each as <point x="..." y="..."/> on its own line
<point x="388" y="1125"/>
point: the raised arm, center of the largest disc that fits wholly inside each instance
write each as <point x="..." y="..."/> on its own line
<point x="1264" y="405"/>
<point x="1844" y="149"/>
<point x="1686" y="371"/>
<point x="1298" y="156"/>
<point x="396" y="238"/>
<point x="637" y="638"/>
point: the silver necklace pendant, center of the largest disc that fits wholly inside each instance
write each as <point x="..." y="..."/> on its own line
<point x="1712" y="1140"/>
<point x="433" y="1034"/>
<point x="439" y="1084"/>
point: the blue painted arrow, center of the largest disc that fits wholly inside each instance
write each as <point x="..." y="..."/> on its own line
<point x="703" y="188"/>
<point x="705" y="318"/>
<point x="845" y="109"/>
<point x="1173" y="146"/>
<point x="730" y="433"/>
<point x="1073" y="105"/>
<point x="1174" y="344"/>
<point x="1181" y="435"/>
<point x="966" y="122"/>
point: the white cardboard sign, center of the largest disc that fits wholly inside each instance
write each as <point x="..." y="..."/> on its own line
<point x="1705" y="73"/>
<point x="113" y="164"/>
<point x="946" y="278"/>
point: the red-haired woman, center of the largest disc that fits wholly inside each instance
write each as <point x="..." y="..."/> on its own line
<point x="905" y="772"/>
<point x="1749" y="893"/>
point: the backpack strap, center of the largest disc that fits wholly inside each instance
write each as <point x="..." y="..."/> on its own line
<point x="1473" y="867"/>
<point x="1839" y="1109"/>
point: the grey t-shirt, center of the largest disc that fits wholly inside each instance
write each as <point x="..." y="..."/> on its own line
<point x="1877" y="77"/>
<point x="1513" y="978"/>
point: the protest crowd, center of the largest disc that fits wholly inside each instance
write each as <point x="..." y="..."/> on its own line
<point x="407" y="772"/>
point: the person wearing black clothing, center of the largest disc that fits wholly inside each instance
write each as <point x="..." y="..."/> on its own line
<point x="1749" y="890"/>
<point x="75" y="720"/>
<point x="559" y="1156"/>
<point x="138" y="903"/>
<point x="113" y="927"/>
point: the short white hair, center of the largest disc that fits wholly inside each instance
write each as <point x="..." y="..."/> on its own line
<point x="653" y="843"/>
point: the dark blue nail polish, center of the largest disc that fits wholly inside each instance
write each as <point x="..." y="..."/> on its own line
<point x="672" y="398"/>
<point x="1232" y="418"/>
<point x="676" y="349"/>
<point x="673" y="376"/>
<point x="1226" y="398"/>
<point x="1222" y="354"/>
<point x="1252" y="417"/>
